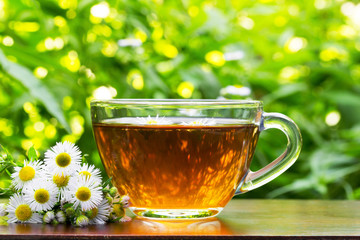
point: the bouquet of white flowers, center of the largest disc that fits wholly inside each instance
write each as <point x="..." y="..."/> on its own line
<point x="61" y="188"/>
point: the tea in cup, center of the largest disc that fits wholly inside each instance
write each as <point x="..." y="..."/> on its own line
<point x="186" y="158"/>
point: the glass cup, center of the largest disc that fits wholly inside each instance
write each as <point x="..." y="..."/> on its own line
<point x="186" y="158"/>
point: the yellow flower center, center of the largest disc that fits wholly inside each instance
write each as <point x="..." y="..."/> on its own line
<point x="63" y="159"/>
<point x="151" y="121"/>
<point x="83" y="194"/>
<point x="27" y="173"/>
<point x="41" y="195"/>
<point x="23" y="212"/>
<point x="61" y="181"/>
<point x="119" y="210"/>
<point x="85" y="173"/>
<point x="94" y="213"/>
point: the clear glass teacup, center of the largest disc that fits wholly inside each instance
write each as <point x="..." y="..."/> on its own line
<point x="186" y="158"/>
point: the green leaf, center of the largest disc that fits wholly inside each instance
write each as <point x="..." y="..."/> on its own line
<point x="32" y="156"/>
<point x="35" y="87"/>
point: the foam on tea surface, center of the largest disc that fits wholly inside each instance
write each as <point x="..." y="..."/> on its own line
<point x="181" y="166"/>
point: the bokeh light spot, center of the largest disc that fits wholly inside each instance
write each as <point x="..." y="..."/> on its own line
<point x="215" y="58"/>
<point x="332" y="118"/>
<point x="100" y="10"/>
<point x="40" y="72"/>
<point x="185" y="89"/>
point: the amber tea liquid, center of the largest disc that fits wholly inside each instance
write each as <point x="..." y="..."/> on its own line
<point x="176" y="166"/>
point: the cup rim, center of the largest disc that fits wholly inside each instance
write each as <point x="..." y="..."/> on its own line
<point x="177" y="102"/>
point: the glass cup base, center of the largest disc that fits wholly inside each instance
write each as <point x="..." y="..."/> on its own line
<point x="175" y="213"/>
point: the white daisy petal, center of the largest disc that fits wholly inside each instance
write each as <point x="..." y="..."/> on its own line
<point x="200" y="122"/>
<point x="26" y="175"/>
<point x="63" y="158"/>
<point x="153" y="120"/>
<point x="60" y="180"/>
<point x="89" y="171"/>
<point x="84" y="192"/>
<point x="2" y="209"/>
<point x="101" y="213"/>
<point x="20" y="211"/>
<point x="42" y="195"/>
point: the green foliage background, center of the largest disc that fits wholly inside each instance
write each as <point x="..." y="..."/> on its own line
<point x="302" y="58"/>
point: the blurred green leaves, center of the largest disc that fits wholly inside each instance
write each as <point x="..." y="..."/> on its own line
<point x="301" y="58"/>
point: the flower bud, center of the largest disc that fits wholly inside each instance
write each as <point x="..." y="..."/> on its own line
<point x="125" y="201"/>
<point x="54" y="222"/>
<point x="109" y="199"/>
<point x="60" y="217"/>
<point x="70" y="212"/>
<point x="48" y="217"/>
<point x="82" y="221"/>
<point x="119" y="210"/>
<point x="113" y="191"/>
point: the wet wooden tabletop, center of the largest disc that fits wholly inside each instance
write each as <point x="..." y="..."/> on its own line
<point x="243" y="219"/>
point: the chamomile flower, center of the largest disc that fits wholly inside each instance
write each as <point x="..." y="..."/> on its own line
<point x="20" y="211"/>
<point x="82" y="221"/>
<point x="60" y="180"/>
<point x="24" y="176"/>
<point x="84" y="192"/>
<point x="60" y="217"/>
<point x="63" y="158"/>
<point x="88" y="170"/>
<point x="153" y="121"/>
<point x="100" y="214"/>
<point x="200" y="122"/>
<point x="42" y="195"/>
<point x="2" y="210"/>
<point x="48" y="217"/>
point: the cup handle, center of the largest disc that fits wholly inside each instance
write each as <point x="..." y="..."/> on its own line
<point x="284" y="161"/>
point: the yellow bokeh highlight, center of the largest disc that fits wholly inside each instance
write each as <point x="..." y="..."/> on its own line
<point x="24" y="26"/>
<point x="332" y="53"/>
<point x="157" y="33"/>
<point x="135" y="79"/>
<point x="40" y="72"/>
<point x="215" y="58"/>
<point x="246" y="22"/>
<point x="69" y="138"/>
<point x="39" y="126"/>
<point x="67" y="102"/>
<point x="347" y="31"/>
<point x="59" y="21"/>
<point x="185" y="89"/>
<point x="166" y="49"/>
<point x="71" y="14"/>
<point x="8" y="41"/>
<point x="289" y="74"/>
<point x="109" y="48"/>
<point x="66" y="4"/>
<point x="71" y="61"/>
<point x="193" y="11"/>
<point x="295" y="44"/>
<point x="280" y="21"/>
<point x="50" y="131"/>
<point x="102" y="30"/>
<point x="26" y="144"/>
<point x="76" y="124"/>
<point x="141" y="35"/>
<point x="5" y="127"/>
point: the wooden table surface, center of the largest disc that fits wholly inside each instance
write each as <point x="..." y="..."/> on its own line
<point x="247" y="219"/>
